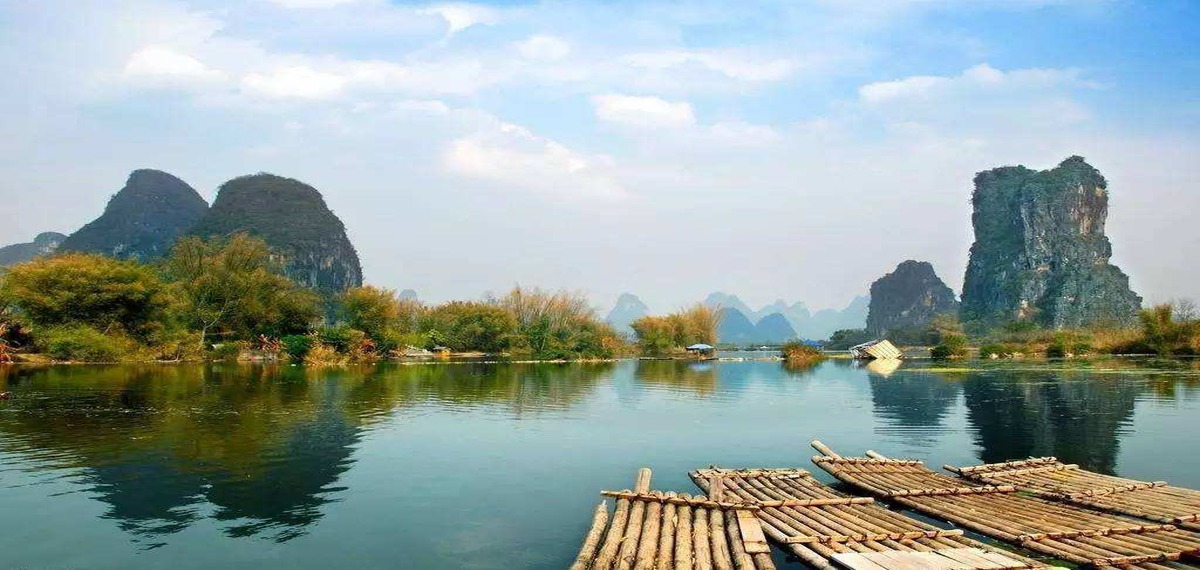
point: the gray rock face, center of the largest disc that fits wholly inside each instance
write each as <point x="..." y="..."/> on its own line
<point x="1040" y="252"/>
<point x="44" y="244"/>
<point x="292" y="218"/>
<point x="908" y="298"/>
<point x="143" y="220"/>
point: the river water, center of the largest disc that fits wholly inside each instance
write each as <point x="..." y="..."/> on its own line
<point x="500" y="465"/>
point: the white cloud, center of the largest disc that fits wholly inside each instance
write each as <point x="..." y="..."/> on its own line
<point x="514" y="157"/>
<point x="643" y="111"/>
<point x="311" y="3"/>
<point x="295" y="81"/>
<point x="163" y="63"/>
<point x="543" y="47"/>
<point x="982" y="76"/>
<point x="732" y="64"/>
<point x="460" y="16"/>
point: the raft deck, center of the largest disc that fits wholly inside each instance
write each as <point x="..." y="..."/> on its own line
<point x="1049" y="478"/>
<point x="656" y="530"/>
<point x="828" y="530"/>
<point x="1067" y="532"/>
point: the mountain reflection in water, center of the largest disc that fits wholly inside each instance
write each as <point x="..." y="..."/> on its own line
<point x="429" y="459"/>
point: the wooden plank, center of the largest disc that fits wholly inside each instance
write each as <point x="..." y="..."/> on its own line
<point x="752" y="534"/>
<point x="897" y="560"/>
<point x="855" y="561"/>
<point x="1002" y="560"/>
<point x="937" y="561"/>
<point x="970" y="557"/>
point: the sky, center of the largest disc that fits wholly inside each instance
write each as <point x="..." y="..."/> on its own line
<point x="778" y="149"/>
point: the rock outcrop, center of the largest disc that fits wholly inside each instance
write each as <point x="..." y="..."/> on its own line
<point x="44" y="244"/>
<point x="143" y="220"/>
<point x="908" y="298"/>
<point x="292" y="218"/>
<point x="629" y="308"/>
<point x="1040" y="252"/>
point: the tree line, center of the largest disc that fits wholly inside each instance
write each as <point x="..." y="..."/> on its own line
<point x="223" y="298"/>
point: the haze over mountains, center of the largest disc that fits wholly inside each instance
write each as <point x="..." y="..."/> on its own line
<point x="774" y="323"/>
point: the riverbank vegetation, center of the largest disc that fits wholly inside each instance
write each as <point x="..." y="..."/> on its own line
<point x="671" y="334"/>
<point x="1171" y="329"/>
<point x="226" y="299"/>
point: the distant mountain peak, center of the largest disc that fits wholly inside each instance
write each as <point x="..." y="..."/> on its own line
<point x="143" y="219"/>
<point x="627" y="309"/>
<point x="44" y="244"/>
<point x="294" y="220"/>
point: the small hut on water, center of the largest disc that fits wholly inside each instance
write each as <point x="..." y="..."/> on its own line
<point x="880" y="349"/>
<point x="702" y="350"/>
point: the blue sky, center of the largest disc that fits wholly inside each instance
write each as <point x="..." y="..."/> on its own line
<point x="663" y="148"/>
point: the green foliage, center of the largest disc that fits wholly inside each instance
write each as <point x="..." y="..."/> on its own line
<point x="372" y="310"/>
<point x="557" y="325"/>
<point x="846" y="338"/>
<point x="953" y="345"/>
<point x="795" y="352"/>
<point x="465" y="325"/>
<point x="84" y="289"/>
<point x="1170" y="329"/>
<point x="671" y="333"/>
<point x="296" y="346"/>
<point x="233" y="289"/>
<point x="82" y="343"/>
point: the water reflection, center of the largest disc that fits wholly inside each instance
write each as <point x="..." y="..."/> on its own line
<point x="913" y="405"/>
<point x="393" y="458"/>
<point x="259" y="449"/>
<point x="1041" y="413"/>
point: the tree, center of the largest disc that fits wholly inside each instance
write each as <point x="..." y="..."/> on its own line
<point x="464" y="325"/>
<point x="372" y="310"/>
<point x="661" y="334"/>
<point x="86" y="289"/>
<point x="234" y="287"/>
<point x="557" y="325"/>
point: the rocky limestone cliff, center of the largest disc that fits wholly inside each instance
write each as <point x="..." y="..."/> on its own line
<point x="629" y="308"/>
<point x="908" y="298"/>
<point x="143" y="220"/>
<point x="1040" y="252"/>
<point x="44" y="244"/>
<point x="292" y="218"/>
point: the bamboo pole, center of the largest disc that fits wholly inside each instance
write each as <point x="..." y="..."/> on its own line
<point x="592" y="540"/>
<point x="666" y="536"/>
<point x="701" y="541"/>
<point x="633" y="528"/>
<point x="722" y="559"/>
<point x="647" y="549"/>
<point x="683" y="536"/>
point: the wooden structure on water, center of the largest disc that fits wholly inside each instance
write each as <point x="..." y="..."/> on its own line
<point x="828" y="530"/>
<point x="881" y="349"/>
<point x="655" y="530"/>
<point x="1049" y="478"/>
<point x="1064" y="531"/>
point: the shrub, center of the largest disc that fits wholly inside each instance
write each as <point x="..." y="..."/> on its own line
<point x="796" y="352"/>
<point x="82" y="343"/>
<point x="321" y="354"/>
<point x="1056" y="350"/>
<point x="953" y="345"/>
<point x="998" y="350"/>
<point x="296" y="346"/>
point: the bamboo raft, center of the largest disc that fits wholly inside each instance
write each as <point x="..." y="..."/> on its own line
<point x="827" y="529"/>
<point x="661" y="531"/>
<point x="1063" y="531"/>
<point x="1049" y="478"/>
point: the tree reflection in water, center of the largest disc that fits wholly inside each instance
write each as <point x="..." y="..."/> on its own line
<point x="260" y="448"/>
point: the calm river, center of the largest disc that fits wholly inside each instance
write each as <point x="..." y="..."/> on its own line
<point x="499" y="466"/>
